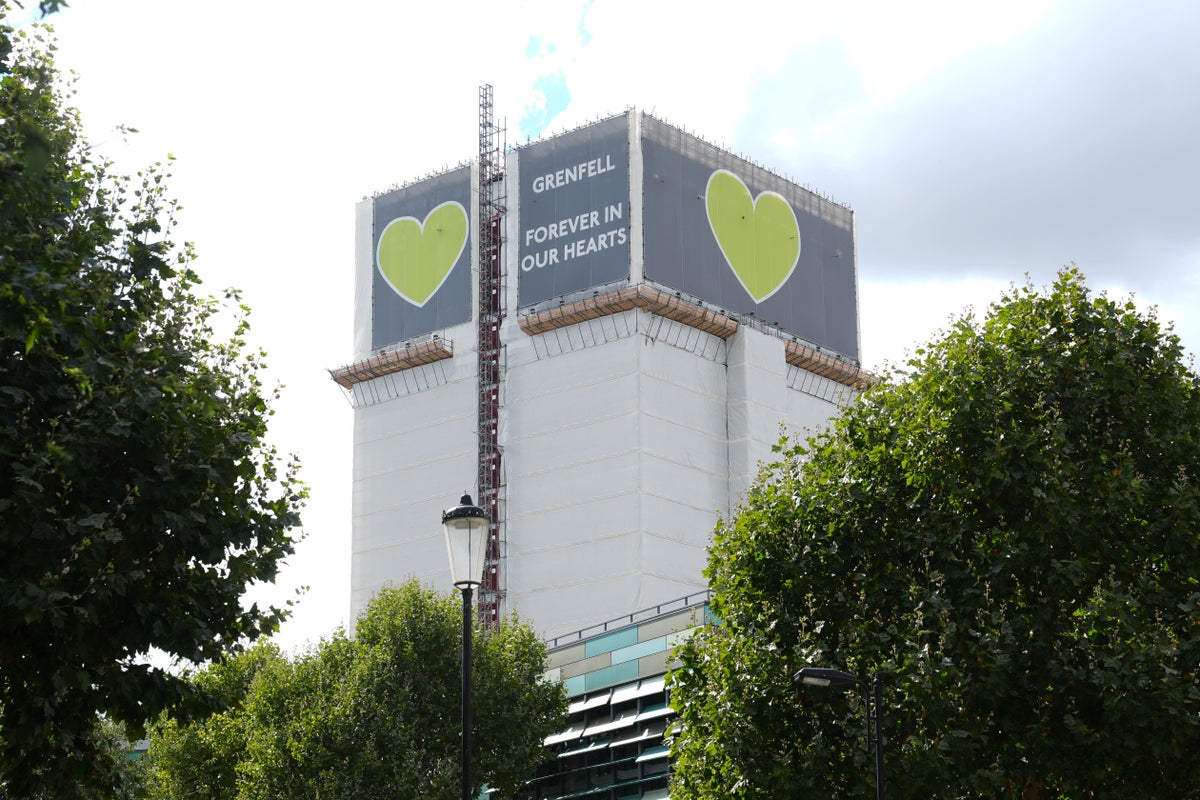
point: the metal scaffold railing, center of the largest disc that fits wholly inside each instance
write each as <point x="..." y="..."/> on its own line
<point x="491" y="351"/>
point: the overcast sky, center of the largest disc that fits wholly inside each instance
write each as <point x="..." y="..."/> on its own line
<point x="976" y="142"/>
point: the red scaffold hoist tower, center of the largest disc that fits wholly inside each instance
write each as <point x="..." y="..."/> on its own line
<point x="491" y="351"/>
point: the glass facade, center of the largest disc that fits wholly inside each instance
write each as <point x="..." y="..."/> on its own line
<point x="611" y="747"/>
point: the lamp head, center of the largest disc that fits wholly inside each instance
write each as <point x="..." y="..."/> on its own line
<point x="832" y="678"/>
<point x="466" y="528"/>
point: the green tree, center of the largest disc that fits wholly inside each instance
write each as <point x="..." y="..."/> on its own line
<point x="1010" y="536"/>
<point x="120" y="769"/>
<point x="138" y="497"/>
<point x="374" y="716"/>
<point x="198" y="760"/>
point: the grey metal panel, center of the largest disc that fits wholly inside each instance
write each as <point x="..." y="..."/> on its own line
<point x="816" y="302"/>
<point x="841" y="289"/>
<point x="394" y="318"/>
<point x="574" y="212"/>
<point x="564" y="655"/>
<point x="654" y="664"/>
<point x="587" y="665"/>
<point x="680" y="621"/>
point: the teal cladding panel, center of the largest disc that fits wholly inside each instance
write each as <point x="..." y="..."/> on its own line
<point x="638" y="650"/>
<point x="611" y="641"/>
<point x="575" y="685"/>
<point x="618" y="673"/>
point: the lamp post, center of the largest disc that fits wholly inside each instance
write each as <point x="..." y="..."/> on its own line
<point x="466" y="527"/>
<point x="841" y="681"/>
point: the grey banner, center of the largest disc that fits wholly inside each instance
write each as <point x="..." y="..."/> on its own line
<point x="422" y="250"/>
<point x="574" y="212"/>
<point x="697" y="240"/>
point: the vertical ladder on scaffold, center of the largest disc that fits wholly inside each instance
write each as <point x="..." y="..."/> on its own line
<point x="491" y="352"/>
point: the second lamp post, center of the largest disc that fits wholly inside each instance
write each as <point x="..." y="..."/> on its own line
<point x="466" y="528"/>
<point x="841" y="681"/>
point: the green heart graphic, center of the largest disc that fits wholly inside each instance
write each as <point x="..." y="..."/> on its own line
<point x="759" y="237"/>
<point x="415" y="258"/>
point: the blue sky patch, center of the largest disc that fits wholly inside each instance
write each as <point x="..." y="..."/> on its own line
<point x="555" y="97"/>
<point x="585" y="36"/>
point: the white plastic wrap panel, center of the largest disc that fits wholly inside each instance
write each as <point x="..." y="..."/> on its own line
<point x="656" y="589"/>
<point x="809" y="383"/>
<point x="416" y="446"/>
<point x="667" y="479"/>
<point x="684" y="519"/>
<point x="584" y="335"/>
<point x="406" y="520"/>
<point x="556" y="417"/>
<point x="453" y="402"/>
<point x="364" y="266"/>
<point x="524" y="348"/>
<point x="360" y="598"/>
<point x="402" y="526"/>
<point x="748" y="421"/>
<point x="690" y="370"/>
<point x="808" y="415"/>
<point x="679" y="442"/>
<point x="574" y="566"/>
<point x="660" y="330"/>
<point x="599" y="439"/>
<point x="566" y="609"/>
<point x="422" y="558"/>
<point x="571" y="409"/>
<point x="603" y="478"/>
<point x="673" y="560"/>
<point x="361" y="594"/>
<point x="588" y="367"/>
<point x="512" y="233"/>
<point x="746" y="456"/>
<point x="757" y="369"/>
<point x="700" y="407"/>
<point x="570" y="406"/>
<point x="421" y="378"/>
<point x="757" y="403"/>
<point x="572" y="521"/>
<point x="441" y="481"/>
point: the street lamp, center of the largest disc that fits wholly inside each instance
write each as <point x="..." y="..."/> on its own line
<point x="841" y="681"/>
<point x="466" y="528"/>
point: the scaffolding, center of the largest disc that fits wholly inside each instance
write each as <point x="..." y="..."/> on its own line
<point x="491" y="350"/>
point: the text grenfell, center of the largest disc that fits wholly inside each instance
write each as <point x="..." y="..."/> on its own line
<point x="568" y="175"/>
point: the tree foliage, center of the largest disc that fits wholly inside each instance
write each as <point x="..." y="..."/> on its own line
<point x="374" y="716"/>
<point x="138" y="498"/>
<point x="117" y="767"/>
<point x="1009" y="535"/>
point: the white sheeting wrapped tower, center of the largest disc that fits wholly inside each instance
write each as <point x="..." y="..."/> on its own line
<point x="672" y="309"/>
